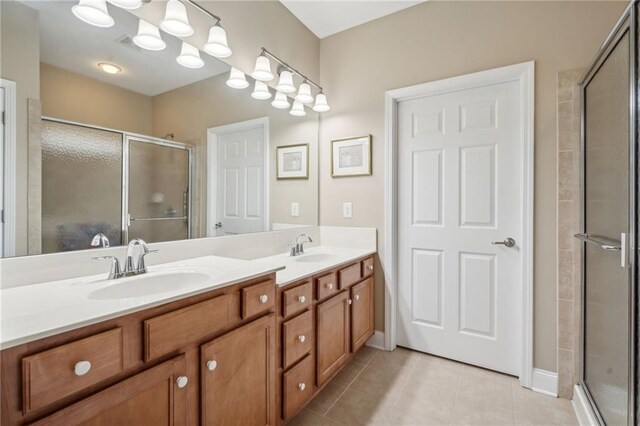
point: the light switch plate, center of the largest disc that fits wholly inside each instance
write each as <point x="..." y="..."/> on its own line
<point x="295" y="209"/>
<point x="347" y="210"/>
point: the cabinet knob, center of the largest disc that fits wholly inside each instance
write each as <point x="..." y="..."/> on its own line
<point x="182" y="381"/>
<point x="302" y="299"/>
<point x="349" y="301"/>
<point x="81" y="368"/>
<point x="302" y="338"/>
<point x="301" y="386"/>
<point x="330" y="286"/>
<point x="211" y="365"/>
<point x="264" y="298"/>
<point x="370" y="267"/>
<point x="357" y="297"/>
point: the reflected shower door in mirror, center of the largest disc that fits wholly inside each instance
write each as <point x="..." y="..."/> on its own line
<point x="142" y="146"/>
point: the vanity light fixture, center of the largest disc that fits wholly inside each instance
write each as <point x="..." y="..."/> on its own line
<point x="237" y="79"/>
<point x="93" y="12"/>
<point x="148" y="37"/>
<point x="304" y="93"/>
<point x="126" y="4"/>
<point x="321" y="104"/>
<point x="217" y="43"/>
<point x="285" y="84"/>
<point x="262" y="71"/>
<point x="261" y="91"/>
<point x="109" y="68"/>
<point x="190" y="56"/>
<point x="298" y="109"/>
<point x="280" y="101"/>
<point x="176" y="21"/>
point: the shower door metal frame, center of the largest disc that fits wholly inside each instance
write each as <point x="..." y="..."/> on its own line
<point x="124" y="189"/>
<point x="627" y="23"/>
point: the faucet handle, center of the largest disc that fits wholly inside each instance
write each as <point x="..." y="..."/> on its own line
<point x="141" y="266"/>
<point x="115" y="266"/>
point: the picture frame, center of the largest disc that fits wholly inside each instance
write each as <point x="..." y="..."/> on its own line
<point x="292" y="161"/>
<point x="351" y="157"/>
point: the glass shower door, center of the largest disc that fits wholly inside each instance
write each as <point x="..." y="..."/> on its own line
<point x="158" y="191"/>
<point x="606" y="197"/>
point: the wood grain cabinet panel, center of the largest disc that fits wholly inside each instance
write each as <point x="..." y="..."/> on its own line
<point x="296" y="299"/>
<point x="238" y="376"/>
<point x="59" y="372"/>
<point x="349" y="275"/>
<point x="152" y="397"/>
<point x="297" y="386"/>
<point x="297" y="336"/>
<point x="333" y="348"/>
<point x="327" y="285"/>
<point x="361" y="313"/>
<point x="258" y="298"/>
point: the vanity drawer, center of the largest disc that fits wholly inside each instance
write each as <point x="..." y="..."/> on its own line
<point x="258" y="298"/>
<point x="327" y="285"/>
<point x="297" y="386"/>
<point x="296" y="299"/>
<point x="297" y="335"/>
<point x="349" y="275"/>
<point x="367" y="267"/>
<point x="168" y="332"/>
<point x="59" y="372"/>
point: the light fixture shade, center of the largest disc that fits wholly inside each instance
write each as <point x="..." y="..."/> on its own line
<point x="321" y="104"/>
<point x="148" y="37"/>
<point x="93" y="12"/>
<point x="190" y="56"/>
<point x="261" y="91"/>
<point x="237" y="79"/>
<point x="176" y="21"/>
<point x="304" y="94"/>
<point x="262" y="71"/>
<point x="280" y="101"/>
<point x="297" y="109"/>
<point x="126" y="4"/>
<point x="285" y="84"/>
<point x="217" y="43"/>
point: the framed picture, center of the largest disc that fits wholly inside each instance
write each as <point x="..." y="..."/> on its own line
<point x="292" y="161"/>
<point x="351" y="156"/>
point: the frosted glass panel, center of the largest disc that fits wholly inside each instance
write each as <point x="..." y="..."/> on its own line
<point x="81" y="186"/>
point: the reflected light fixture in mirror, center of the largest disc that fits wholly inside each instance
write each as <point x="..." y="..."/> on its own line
<point x="126" y="4"/>
<point x="285" y="84"/>
<point x="176" y="21"/>
<point x="262" y="71"/>
<point x="261" y="91"/>
<point x="109" y="68"/>
<point x="237" y="79"/>
<point x="280" y="101"/>
<point x="304" y="93"/>
<point x="297" y="109"/>
<point x="93" y="12"/>
<point x="217" y="43"/>
<point x="190" y="56"/>
<point x="321" y="104"/>
<point x="148" y="37"/>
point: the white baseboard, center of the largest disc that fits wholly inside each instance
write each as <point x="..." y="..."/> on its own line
<point x="377" y="340"/>
<point x="544" y="382"/>
<point x="582" y="408"/>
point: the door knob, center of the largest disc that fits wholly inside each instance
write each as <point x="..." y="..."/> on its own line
<point x="218" y="225"/>
<point x="508" y="242"/>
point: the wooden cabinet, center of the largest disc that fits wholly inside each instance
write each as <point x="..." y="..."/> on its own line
<point x="326" y="285"/>
<point x="349" y="275"/>
<point x="333" y="332"/>
<point x="361" y="313"/>
<point x="154" y="397"/>
<point x="297" y="299"/>
<point x="297" y="338"/>
<point x="238" y="376"/>
<point x="297" y="386"/>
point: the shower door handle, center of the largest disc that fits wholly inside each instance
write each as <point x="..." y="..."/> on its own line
<point x="622" y="247"/>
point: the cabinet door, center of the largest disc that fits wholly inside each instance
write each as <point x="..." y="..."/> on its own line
<point x="361" y="313"/>
<point x="238" y="376"/>
<point x="333" y="335"/>
<point x="156" y="396"/>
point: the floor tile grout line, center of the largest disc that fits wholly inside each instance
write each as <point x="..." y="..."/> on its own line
<point x="455" y="398"/>
<point x="404" y="385"/>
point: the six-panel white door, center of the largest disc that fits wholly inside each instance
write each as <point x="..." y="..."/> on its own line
<point x="458" y="192"/>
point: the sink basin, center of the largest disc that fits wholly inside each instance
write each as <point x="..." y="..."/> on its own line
<point x="148" y="284"/>
<point x="316" y="257"/>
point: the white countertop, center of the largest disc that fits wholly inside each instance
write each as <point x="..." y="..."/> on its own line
<point x="35" y="311"/>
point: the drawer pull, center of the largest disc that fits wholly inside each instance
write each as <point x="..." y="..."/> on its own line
<point x="302" y="338"/>
<point x="182" y="381"/>
<point x="330" y="286"/>
<point x="357" y="297"/>
<point x="211" y="365"/>
<point x="349" y="301"/>
<point x="302" y="299"/>
<point x="370" y="267"/>
<point x="264" y="298"/>
<point x="81" y="368"/>
<point x="301" y="386"/>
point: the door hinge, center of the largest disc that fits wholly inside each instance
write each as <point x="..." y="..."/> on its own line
<point x="3" y="118"/>
<point x="2" y="216"/>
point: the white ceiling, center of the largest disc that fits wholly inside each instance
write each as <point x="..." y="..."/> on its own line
<point x="68" y="43"/>
<point x="325" y="18"/>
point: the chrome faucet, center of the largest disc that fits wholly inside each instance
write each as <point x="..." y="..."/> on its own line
<point x="298" y="248"/>
<point x="100" y="240"/>
<point x="130" y="269"/>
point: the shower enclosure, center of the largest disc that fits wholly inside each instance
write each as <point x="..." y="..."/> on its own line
<point x="609" y="223"/>
<point x="97" y="180"/>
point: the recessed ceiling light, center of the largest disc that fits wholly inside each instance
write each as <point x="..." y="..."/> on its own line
<point x="109" y="68"/>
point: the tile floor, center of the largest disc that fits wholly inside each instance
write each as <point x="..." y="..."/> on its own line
<point x="404" y="387"/>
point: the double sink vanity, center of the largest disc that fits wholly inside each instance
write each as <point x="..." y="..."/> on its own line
<point x="205" y="340"/>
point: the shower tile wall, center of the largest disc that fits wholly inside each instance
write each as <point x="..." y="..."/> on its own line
<point x="568" y="272"/>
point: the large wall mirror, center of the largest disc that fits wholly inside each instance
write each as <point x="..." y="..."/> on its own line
<point x="125" y="142"/>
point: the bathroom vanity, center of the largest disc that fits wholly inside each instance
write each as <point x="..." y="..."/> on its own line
<point x="251" y="351"/>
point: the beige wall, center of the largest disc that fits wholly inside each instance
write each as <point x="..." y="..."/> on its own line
<point x="436" y="40"/>
<point x="71" y="96"/>
<point x="20" y="47"/>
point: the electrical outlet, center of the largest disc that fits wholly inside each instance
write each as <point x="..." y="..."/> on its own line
<point x="295" y="209"/>
<point x="347" y="210"/>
